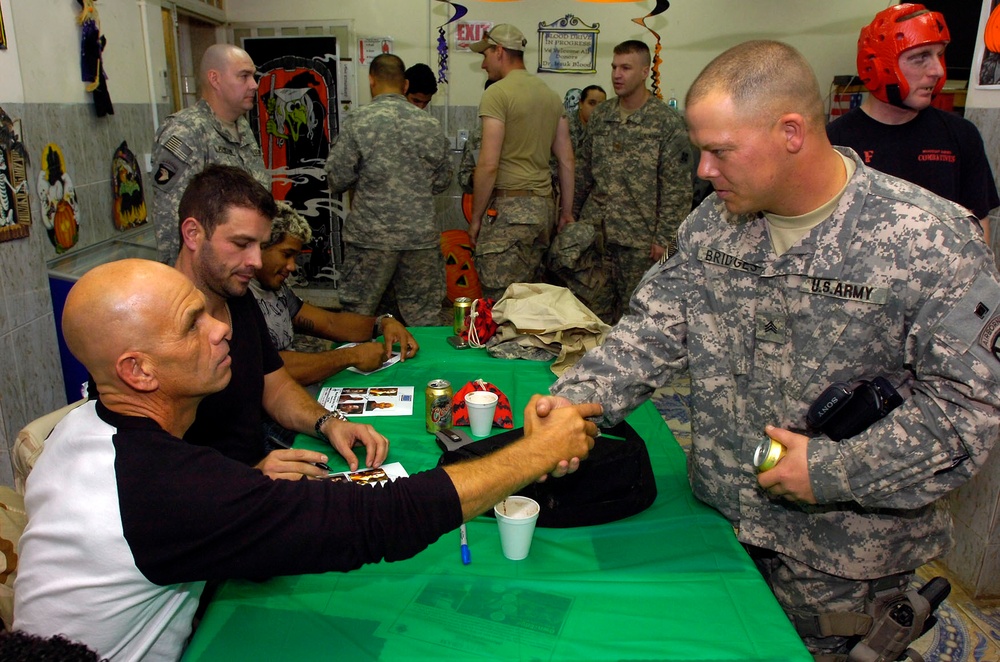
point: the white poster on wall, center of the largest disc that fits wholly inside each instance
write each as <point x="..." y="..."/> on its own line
<point x="371" y="47"/>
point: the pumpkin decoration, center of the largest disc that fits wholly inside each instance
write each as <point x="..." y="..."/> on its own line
<point x="65" y="229"/>
<point x="460" y="271"/>
<point x="60" y="212"/>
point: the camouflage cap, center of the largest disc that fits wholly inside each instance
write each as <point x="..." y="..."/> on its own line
<point x="572" y="243"/>
<point x="505" y="35"/>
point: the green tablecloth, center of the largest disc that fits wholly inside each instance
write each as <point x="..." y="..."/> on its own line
<point x="671" y="583"/>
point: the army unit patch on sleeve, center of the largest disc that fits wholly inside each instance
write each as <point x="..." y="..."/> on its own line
<point x="164" y="173"/>
<point x="989" y="337"/>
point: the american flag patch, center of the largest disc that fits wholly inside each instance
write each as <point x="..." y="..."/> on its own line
<point x="175" y="146"/>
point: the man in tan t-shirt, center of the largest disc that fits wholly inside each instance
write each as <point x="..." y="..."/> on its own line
<point x="522" y="125"/>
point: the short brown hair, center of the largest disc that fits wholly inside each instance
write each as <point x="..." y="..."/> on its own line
<point x="764" y="79"/>
<point x="634" y="46"/>
<point x="216" y="189"/>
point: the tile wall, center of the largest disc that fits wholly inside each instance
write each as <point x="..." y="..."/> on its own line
<point x="30" y="374"/>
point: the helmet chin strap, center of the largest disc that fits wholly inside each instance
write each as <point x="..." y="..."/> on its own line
<point x="892" y="94"/>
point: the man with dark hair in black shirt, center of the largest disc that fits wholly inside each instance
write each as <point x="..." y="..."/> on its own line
<point x="124" y="513"/>
<point x="225" y="216"/>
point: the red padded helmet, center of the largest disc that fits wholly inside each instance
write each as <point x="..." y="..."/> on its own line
<point x="893" y="31"/>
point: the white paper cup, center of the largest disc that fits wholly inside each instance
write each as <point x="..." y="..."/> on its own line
<point x="516" y="517"/>
<point x="481" y="406"/>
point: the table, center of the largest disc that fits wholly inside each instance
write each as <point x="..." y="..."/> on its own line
<point x="671" y="583"/>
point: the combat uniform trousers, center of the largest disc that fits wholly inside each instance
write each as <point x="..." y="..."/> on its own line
<point x="510" y="249"/>
<point x="418" y="277"/>
<point x="806" y="593"/>
<point x="627" y="267"/>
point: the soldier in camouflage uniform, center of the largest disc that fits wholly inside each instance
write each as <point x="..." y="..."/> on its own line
<point x="523" y="124"/>
<point x="214" y="130"/>
<point x="395" y="157"/>
<point x="633" y="179"/>
<point x="590" y="97"/>
<point x="805" y="268"/>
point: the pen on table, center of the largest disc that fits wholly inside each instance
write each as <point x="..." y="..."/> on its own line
<point x="466" y="554"/>
<point x="278" y="442"/>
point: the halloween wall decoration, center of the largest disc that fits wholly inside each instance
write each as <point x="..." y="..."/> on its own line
<point x="129" y="205"/>
<point x="15" y="209"/>
<point x="295" y="119"/>
<point x="92" y="44"/>
<point x="442" y="40"/>
<point x="60" y="211"/>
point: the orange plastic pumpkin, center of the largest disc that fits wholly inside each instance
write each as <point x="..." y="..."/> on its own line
<point x="460" y="270"/>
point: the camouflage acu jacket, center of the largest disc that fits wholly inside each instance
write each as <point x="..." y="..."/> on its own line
<point x="895" y="283"/>
<point x="396" y="157"/>
<point x="634" y="176"/>
<point x="188" y="141"/>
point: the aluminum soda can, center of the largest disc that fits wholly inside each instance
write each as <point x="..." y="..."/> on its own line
<point x="438" y="396"/>
<point x="463" y="307"/>
<point x="767" y="454"/>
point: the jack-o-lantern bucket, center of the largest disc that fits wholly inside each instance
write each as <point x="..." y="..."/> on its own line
<point x="460" y="270"/>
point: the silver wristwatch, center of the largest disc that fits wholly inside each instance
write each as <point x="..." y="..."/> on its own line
<point x="321" y="421"/>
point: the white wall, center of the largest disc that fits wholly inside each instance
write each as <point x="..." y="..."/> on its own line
<point x="11" y="87"/>
<point x="692" y="33"/>
<point x="48" y="47"/>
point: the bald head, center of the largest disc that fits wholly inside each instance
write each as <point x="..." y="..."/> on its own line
<point x="112" y="309"/>
<point x="387" y="75"/>
<point x="765" y="79"/>
<point x="219" y="57"/>
<point x="142" y="331"/>
<point x="227" y="81"/>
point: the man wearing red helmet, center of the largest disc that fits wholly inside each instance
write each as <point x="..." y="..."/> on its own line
<point x="896" y="130"/>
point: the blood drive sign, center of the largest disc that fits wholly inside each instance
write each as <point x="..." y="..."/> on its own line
<point x="469" y="32"/>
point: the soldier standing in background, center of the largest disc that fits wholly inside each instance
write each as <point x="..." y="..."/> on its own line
<point x="522" y="125"/>
<point x="214" y="130"/>
<point x="633" y="180"/>
<point x="396" y="158"/>
<point x="590" y="97"/>
<point x="805" y="268"/>
<point x="421" y="86"/>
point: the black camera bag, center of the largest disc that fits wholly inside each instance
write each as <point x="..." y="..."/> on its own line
<point x="614" y="482"/>
<point x="841" y="411"/>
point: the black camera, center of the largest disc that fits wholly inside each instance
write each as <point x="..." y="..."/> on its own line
<point x="843" y="411"/>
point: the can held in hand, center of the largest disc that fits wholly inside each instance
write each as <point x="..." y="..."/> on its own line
<point x="767" y="454"/>
<point x="463" y="308"/>
<point x="438" y="396"/>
